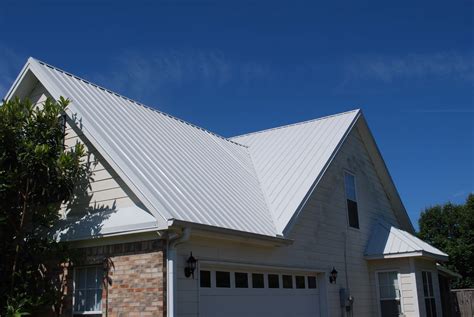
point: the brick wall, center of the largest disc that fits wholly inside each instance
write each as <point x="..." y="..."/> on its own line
<point x="138" y="280"/>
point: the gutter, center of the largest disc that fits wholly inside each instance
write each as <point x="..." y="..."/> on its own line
<point x="174" y="239"/>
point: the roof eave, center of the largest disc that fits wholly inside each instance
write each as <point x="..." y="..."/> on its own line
<point x="229" y="234"/>
<point x="425" y="254"/>
<point x="446" y="271"/>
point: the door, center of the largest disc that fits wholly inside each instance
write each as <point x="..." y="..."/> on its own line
<point x="257" y="293"/>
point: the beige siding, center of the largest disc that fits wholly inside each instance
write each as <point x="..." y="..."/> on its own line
<point x="319" y="236"/>
<point x="106" y="191"/>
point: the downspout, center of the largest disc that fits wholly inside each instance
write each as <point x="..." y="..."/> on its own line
<point x="171" y="276"/>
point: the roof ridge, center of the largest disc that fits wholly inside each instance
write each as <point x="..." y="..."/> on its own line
<point x="296" y="123"/>
<point x="136" y="102"/>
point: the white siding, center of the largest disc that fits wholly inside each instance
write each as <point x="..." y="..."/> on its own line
<point x="430" y="266"/>
<point x="318" y="236"/>
<point x="406" y="281"/>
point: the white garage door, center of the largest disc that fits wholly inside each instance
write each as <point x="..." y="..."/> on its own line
<point x="232" y="293"/>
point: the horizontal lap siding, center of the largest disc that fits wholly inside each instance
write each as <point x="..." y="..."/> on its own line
<point x="317" y="234"/>
<point x="429" y="266"/>
<point x="105" y="191"/>
<point x="406" y="282"/>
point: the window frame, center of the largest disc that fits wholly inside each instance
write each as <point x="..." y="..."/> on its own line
<point x="345" y="171"/>
<point x="377" y="286"/>
<point x="433" y="296"/>
<point x="92" y="312"/>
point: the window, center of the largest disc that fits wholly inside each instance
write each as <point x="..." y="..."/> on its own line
<point x="351" y="199"/>
<point x="222" y="279"/>
<point x="312" y="282"/>
<point x="430" y="302"/>
<point x="273" y="281"/>
<point x="389" y="292"/>
<point x="88" y="290"/>
<point x="210" y="279"/>
<point x="300" y="282"/>
<point x="241" y="280"/>
<point x="257" y="280"/>
<point x="205" y="279"/>
<point x="287" y="281"/>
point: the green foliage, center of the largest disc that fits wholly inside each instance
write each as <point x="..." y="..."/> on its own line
<point x="37" y="175"/>
<point x="17" y="308"/>
<point x="450" y="227"/>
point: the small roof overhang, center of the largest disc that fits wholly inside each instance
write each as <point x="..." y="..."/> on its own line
<point x="388" y="242"/>
<point x="106" y="223"/>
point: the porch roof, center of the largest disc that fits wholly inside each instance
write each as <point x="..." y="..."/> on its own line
<point x="388" y="241"/>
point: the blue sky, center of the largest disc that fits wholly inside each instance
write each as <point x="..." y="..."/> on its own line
<point x="239" y="66"/>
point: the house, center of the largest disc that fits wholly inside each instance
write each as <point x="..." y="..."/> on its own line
<point x="299" y="220"/>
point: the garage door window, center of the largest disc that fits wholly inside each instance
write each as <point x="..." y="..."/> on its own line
<point x="273" y="281"/>
<point x="241" y="280"/>
<point x="312" y="282"/>
<point x="287" y="281"/>
<point x="257" y="280"/>
<point x="222" y="279"/>
<point x="205" y="278"/>
<point x="300" y="282"/>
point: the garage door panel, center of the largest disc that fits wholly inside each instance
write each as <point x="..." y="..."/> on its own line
<point x="275" y="305"/>
<point x="261" y="302"/>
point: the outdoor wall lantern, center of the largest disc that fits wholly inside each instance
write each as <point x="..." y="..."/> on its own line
<point x="333" y="276"/>
<point x="191" y="266"/>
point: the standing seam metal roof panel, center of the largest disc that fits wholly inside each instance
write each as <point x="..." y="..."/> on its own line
<point x="289" y="159"/>
<point x="388" y="240"/>
<point x="186" y="172"/>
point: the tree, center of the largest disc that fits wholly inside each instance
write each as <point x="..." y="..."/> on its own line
<point x="37" y="175"/>
<point x="450" y="227"/>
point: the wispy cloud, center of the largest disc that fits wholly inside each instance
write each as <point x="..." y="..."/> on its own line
<point x="442" y="110"/>
<point x="443" y="65"/>
<point x="139" y="72"/>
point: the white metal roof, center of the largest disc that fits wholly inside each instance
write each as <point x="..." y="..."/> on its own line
<point x="289" y="160"/>
<point x="254" y="183"/>
<point x="182" y="172"/>
<point x="388" y="241"/>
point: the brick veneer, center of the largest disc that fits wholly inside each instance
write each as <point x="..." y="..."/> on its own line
<point x="138" y="280"/>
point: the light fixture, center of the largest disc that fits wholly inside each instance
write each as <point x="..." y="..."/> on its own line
<point x="333" y="276"/>
<point x="191" y="266"/>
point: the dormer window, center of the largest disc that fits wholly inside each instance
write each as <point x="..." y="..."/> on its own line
<point x="351" y="200"/>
